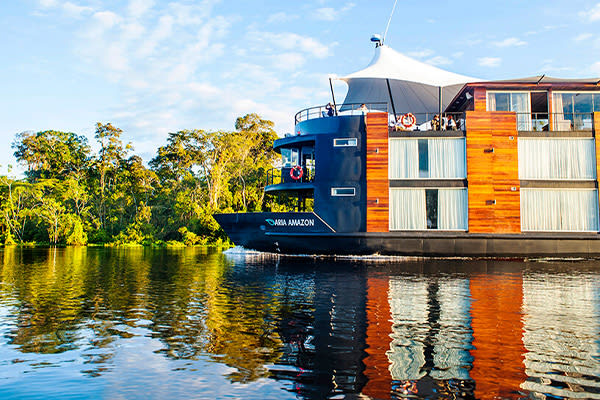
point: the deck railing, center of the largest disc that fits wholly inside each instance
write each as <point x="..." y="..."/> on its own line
<point x="277" y="176"/>
<point x="429" y="121"/>
<point x="555" y="122"/>
<point x="348" y="109"/>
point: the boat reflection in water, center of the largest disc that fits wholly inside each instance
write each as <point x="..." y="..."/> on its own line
<point x="446" y="329"/>
<point x="199" y="324"/>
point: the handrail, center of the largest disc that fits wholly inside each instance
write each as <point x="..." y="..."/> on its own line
<point x="555" y="122"/>
<point x="349" y="109"/>
<point x="276" y="176"/>
<point x="428" y="121"/>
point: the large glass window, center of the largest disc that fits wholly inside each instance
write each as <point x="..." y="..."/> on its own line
<point x="432" y="158"/>
<point x="557" y="158"/>
<point x="518" y="102"/>
<point x="422" y="209"/>
<point x="570" y="210"/>
<point x="574" y="110"/>
<point x="289" y="157"/>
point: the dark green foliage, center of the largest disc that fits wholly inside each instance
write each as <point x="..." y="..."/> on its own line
<point x="73" y="197"/>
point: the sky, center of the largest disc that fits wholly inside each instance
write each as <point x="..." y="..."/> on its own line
<point x="151" y="67"/>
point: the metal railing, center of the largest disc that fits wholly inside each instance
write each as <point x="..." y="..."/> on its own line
<point x="555" y="122"/>
<point x="429" y="121"/>
<point x="276" y="176"/>
<point x="341" y="109"/>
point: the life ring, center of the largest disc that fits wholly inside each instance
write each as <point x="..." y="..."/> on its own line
<point x="296" y="172"/>
<point x="408" y="120"/>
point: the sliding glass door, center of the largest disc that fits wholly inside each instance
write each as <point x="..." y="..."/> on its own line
<point x="518" y="102"/>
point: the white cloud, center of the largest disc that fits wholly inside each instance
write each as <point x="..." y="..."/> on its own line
<point x="69" y="8"/>
<point x="592" y="14"/>
<point x="330" y="13"/>
<point x="288" y="61"/>
<point x="138" y="8"/>
<point x="420" y="53"/>
<point x="106" y="19"/>
<point x="281" y="17"/>
<point x="489" y="61"/>
<point x="48" y="3"/>
<point x="595" y="68"/>
<point x="74" y="10"/>
<point x="439" y="60"/>
<point x="326" y="13"/>
<point x="582" y="37"/>
<point x="290" y="41"/>
<point x="510" y="42"/>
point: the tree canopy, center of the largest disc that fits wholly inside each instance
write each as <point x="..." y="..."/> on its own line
<point x="74" y="196"/>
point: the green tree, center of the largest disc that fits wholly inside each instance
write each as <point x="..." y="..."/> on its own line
<point x="51" y="154"/>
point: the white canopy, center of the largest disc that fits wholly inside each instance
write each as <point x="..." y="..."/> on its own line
<point x="414" y="84"/>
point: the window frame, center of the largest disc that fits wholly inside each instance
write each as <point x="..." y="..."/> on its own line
<point x="334" y="189"/>
<point x="335" y="144"/>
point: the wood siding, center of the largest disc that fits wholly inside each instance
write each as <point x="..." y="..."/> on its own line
<point x="596" y="132"/>
<point x="492" y="172"/>
<point x="479" y="99"/>
<point x="379" y="329"/>
<point x="377" y="173"/>
<point x="497" y="347"/>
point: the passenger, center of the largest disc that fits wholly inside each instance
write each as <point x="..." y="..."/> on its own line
<point x="451" y="124"/>
<point x="330" y="109"/>
<point x="435" y="123"/>
<point x="363" y="108"/>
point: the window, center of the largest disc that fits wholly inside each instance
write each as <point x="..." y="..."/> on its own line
<point x="557" y="158"/>
<point x="574" y="110"/>
<point x="569" y="210"/>
<point x="423" y="209"/>
<point x="289" y="158"/>
<point x="518" y="102"/>
<point x="343" y="191"/>
<point x="345" y="142"/>
<point x="433" y="158"/>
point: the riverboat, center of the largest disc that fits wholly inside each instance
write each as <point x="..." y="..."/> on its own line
<point x="418" y="161"/>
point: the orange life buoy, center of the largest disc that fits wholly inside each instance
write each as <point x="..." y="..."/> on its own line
<point x="408" y="120"/>
<point x="296" y="172"/>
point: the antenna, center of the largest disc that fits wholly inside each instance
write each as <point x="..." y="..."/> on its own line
<point x="389" y="20"/>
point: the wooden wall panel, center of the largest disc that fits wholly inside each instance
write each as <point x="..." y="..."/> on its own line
<point x="378" y="340"/>
<point x="479" y="99"/>
<point x="493" y="175"/>
<point x="377" y="172"/>
<point x="498" y="349"/>
<point x="596" y="128"/>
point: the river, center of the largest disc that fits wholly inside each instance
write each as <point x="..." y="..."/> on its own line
<point x="198" y="323"/>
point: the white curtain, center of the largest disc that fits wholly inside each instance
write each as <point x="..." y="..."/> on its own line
<point x="542" y="158"/>
<point x="403" y="159"/>
<point x="407" y="209"/>
<point x="447" y="158"/>
<point x="519" y="103"/>
<point x="559" y="210"/>
<point x="560" y="123"/>
<point x="452" y="209"/>
<point x="491" y="102"/>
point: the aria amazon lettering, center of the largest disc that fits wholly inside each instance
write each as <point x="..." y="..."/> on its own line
<point x="291" y="222"/>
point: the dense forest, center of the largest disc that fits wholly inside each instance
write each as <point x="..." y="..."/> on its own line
<point x="73" y="196"/>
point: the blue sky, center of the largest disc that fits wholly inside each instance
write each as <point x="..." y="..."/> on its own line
<point x="152" y="67"/>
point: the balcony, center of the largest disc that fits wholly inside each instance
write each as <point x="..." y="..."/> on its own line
<point x="555" y="122"/>
<point x="340" y="110"/>
<point x="427" y="122"/>
<point x="282" y="179"/>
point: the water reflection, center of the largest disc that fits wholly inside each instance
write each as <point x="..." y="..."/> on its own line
<point x="195" y="323"/>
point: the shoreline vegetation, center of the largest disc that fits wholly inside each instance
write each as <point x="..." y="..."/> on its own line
<point x="71" y="196"/>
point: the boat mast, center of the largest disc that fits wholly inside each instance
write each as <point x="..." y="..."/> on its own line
<point x="389" y="20"/>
